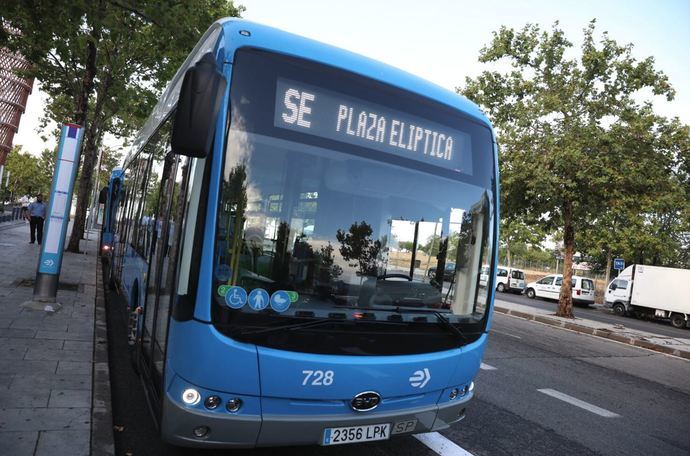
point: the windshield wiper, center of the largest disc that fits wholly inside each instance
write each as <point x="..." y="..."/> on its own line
<point x="439" y="316"/>
<point x="312" y="323"/>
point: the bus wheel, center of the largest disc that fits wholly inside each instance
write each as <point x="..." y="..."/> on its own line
<point x="619" y="309"/>
<point x="678" y="320"/>
<point x="501" y="288"/>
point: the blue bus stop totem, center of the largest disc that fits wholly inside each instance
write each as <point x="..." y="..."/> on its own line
<point x="50" y="260"/>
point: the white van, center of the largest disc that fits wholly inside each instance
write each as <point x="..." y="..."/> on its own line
<point x="549" y="287"/>
<point x="510" y="279"/>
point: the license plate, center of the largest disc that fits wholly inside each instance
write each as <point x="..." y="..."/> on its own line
<point x="352" y="434"/>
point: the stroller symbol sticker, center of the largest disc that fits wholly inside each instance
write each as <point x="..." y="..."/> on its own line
<point x="280" y="301"/>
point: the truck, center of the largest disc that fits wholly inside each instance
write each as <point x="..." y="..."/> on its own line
<point x="651" y="292"/>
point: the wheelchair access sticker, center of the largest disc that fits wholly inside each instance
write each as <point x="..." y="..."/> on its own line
<point x="235" y="297"/>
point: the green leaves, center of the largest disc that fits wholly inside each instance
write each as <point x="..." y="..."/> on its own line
<point x="579" y="152"/>
<point x="29" y="175"/>
<point x="122" y="51"/>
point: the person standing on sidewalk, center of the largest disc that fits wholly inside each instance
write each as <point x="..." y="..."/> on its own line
<point x="37" y="215"/>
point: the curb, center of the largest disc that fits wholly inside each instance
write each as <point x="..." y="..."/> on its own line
<point x="102" y="440"/>
<point x="9" y="225"/>
<point x="603" y="333"/>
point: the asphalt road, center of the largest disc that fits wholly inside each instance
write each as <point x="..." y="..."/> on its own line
<point x="601" y="314"/>
<point x="631" y="401"/>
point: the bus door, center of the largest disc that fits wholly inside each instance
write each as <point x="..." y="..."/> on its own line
<point x="163" y="261"/>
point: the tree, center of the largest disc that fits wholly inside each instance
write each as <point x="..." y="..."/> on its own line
<point x="554" y="115"/>
<point x="646" y="221"/>
<point x="46" y="163"/>
<point x="432" y="245"/>
<point x="356" y="245"/>
<point x="124" y="52"/>
<point x="27" y="176"/>
<point x="407" y="245"/>
<point x="515" y="234"/>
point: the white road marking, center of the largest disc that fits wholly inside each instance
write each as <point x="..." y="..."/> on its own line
<point x="578" y="403"/>
<point x="507" y="334"/>
<point x="441" y="445"/>
<point x="486" y="367"/>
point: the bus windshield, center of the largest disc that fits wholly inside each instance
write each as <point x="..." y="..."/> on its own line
<point x="341" y="228"/>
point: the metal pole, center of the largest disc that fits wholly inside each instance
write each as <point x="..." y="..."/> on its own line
<point x="414" y="249"/>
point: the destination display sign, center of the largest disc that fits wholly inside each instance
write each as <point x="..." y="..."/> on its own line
<point x="327" y="114"/>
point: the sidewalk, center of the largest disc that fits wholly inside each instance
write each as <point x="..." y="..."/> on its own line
<point x="670" y="345"/>
<point x="46" y="358"/>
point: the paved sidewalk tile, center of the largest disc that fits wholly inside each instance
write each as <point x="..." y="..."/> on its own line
<point x="50" y="382"/>
<point x="39" y="419"/>
<point x="24" y="398"/>
<point x="59" y="355"/>
<point x="74" y="367"/>
<point x="73" y="443"/>
<point x="70" y="398"/>
<point x="46" y="358"/>
<point x="18" y="443"/>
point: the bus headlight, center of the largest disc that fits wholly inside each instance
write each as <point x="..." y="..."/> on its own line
<point x="190" y="396"/>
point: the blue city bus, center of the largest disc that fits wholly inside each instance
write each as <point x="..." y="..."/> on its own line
<point x="111" y="200"/>
<point x="290" y="212"/>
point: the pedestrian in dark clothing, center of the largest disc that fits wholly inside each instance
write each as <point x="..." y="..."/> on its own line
<point x="37" y="215"/>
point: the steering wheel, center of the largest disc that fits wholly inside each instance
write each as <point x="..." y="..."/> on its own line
<point x="394" y="276"/>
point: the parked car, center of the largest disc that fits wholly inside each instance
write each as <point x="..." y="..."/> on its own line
<point x="448" y="272"/>
<point x="549" y="287"/>
<point x="510" y="279"/>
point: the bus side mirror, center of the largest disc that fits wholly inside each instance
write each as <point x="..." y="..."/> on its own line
<point x="613" y="286"/>
<point x="202" y="91"/>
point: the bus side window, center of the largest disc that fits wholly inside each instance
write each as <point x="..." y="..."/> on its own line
<point x="167" y="251"/>
<point x="154" y="213"/>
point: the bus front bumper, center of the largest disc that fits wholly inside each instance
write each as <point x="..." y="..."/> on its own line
<point x="242" y="431"/>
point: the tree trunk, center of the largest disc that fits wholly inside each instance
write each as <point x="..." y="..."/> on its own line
<point x="92" y="141"/>
<point x="565" y="300"/>
<point x="509" y="257"/>
<point x="608" y="269"/>
<point x="82" y="107"/>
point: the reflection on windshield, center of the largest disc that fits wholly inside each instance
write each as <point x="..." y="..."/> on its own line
<point x="336" y="232"/>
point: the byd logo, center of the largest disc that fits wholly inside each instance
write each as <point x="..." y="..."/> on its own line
<point x="420" y="378"/>
<point x="363" y="402"/>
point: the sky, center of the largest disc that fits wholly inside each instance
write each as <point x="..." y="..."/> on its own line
<point x="440" y="40"/>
